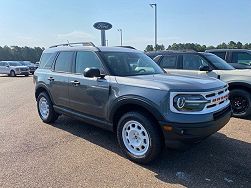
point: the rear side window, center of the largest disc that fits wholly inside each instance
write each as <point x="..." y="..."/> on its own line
<point x="1" y="64"/>
<point x="169" y="62"/>
<point x="241" y="58"/>
<point x="46" y="60"/>
<point x="63" y="62"/>
<point x="86" y="60"/>
<point x="222" y="55"/>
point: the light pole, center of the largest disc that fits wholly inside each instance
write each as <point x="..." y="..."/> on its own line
<point x="155" y="10"/>
<point x="121" y="37"/>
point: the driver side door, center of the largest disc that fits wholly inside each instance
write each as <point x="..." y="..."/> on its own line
<point x="88" y="96"/>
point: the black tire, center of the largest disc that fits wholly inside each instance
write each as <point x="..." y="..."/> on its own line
<point x="240" y="102"/>
<point x="12" y="73"/>
<point x="155" y="137"/>
<point x="26" y="75"/>
<point x="52" y="115"/>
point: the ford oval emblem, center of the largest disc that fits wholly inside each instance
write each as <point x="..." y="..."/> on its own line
<point x="181" y="102"/>
<point x="102" y="25"/>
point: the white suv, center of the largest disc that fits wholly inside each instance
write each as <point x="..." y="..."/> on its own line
<point x="210" y="65"/>
<point x="13" y="68"/>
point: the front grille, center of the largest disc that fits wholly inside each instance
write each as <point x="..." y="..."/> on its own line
<point x="217" y="97"/>
<point x="24" y="69"/>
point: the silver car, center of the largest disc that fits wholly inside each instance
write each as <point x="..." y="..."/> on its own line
<point x="13" y="68"/>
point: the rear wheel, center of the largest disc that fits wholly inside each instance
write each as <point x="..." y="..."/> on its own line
<point x="240" y="102"/>
<point x="12" y="73"/>
<point x="45" y="108"/>
<point x="139" y="137"/>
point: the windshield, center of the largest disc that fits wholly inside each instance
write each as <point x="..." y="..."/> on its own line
<point x="15" y="64"/>
<point x="130" y="64"/>
<point x="219" y="63"/>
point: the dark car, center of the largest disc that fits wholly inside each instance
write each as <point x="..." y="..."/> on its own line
<point x="32" y="66"/>
<point x="123" y="90"/>
<point x="238" y="58"/>
<point x="209" y="65"/>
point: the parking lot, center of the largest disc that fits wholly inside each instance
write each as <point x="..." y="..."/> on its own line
<point x="71" y="153"/>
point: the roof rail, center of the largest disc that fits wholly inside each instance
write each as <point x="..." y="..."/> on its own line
<point x="74" y="43"/>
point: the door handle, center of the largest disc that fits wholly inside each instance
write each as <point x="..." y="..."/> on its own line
<point x="51" y="79"/>
<point x="75" y="83"/>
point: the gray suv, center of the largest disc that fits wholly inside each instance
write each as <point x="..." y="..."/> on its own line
<point x="124" y="91"/>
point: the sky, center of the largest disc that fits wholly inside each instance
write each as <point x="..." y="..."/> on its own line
<point x="48" y="22"/>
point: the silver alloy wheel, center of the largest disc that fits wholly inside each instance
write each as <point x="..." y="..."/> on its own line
<point x="135" y="138"/>
<point x="43" y="107"/>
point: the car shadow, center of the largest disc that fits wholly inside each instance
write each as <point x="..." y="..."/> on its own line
<point x="218" y="161"/>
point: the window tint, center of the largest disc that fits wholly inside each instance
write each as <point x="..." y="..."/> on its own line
<point x="46" y="60"/>
<point x="193" y="62"/>
<point x="86" y="60"/>
<point x="15" y="64"/>
<point x="169" y="62"/>
<point x="242" y="58"/>
<point x="222" y="55"/>
<point x="1" y="64"/>
<point x="63" y="62"/>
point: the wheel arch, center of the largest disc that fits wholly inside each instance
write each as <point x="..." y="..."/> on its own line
<point x="240" y="85"/>
<point x="42" y="88"/>
<point x="125" y="105"/>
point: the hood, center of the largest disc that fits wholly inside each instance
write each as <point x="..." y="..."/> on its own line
<point x="168" y="82"/>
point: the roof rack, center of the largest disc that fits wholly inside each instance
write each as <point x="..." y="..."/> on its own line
<point x="75" y="43"/>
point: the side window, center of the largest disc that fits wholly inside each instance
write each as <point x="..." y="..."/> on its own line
<point x="86" y="59"/>
<point x="222" y="55"/>
<point x="1" y="64"/>
<point x="241" y="57"/>
<point x="193" y="62"/>
<point x="169" y="62"/>
<point x="63" y="62"/>
<point x="46" y="60"/>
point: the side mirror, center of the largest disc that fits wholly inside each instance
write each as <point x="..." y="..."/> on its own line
<point x="205" y="68"/>
<point x="7" y="66"/>
<point x="92" y="72"/>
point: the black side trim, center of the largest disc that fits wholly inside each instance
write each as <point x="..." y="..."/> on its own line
<point x="88" y="119"/>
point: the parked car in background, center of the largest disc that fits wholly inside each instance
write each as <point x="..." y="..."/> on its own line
<point x="238" y="58"/>
<point x="13" y="68"/>
<point x="32" y="66"/>
<point x="104" y="87"/>
<point x="209" y="65"/>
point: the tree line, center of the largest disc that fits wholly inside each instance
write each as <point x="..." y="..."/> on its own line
<point x="15" y="53"/>
<point x="198" y="47"/>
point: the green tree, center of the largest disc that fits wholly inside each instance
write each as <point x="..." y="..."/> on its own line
<point x="149" y="48"/>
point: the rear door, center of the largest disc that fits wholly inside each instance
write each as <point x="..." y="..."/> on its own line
<point x="59" y="79"/>
<point x="88" y="96"/>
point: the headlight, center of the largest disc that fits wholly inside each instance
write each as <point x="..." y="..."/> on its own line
<point x="189" y="103"/>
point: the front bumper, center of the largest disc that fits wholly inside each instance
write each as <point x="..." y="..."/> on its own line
<point x="23" y="73"/>
<point x="194" y="132"/>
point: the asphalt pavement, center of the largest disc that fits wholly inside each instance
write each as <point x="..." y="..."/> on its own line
<point x="71" y="153"/>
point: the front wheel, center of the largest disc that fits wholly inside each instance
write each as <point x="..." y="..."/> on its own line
<point x="139" y="137"/>
<point x="12" y="73"/>
<point x="240" y="102"/>
<point x="45" y="108"/>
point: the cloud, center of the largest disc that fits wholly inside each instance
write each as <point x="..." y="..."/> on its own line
<point x="76" y="35"/>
